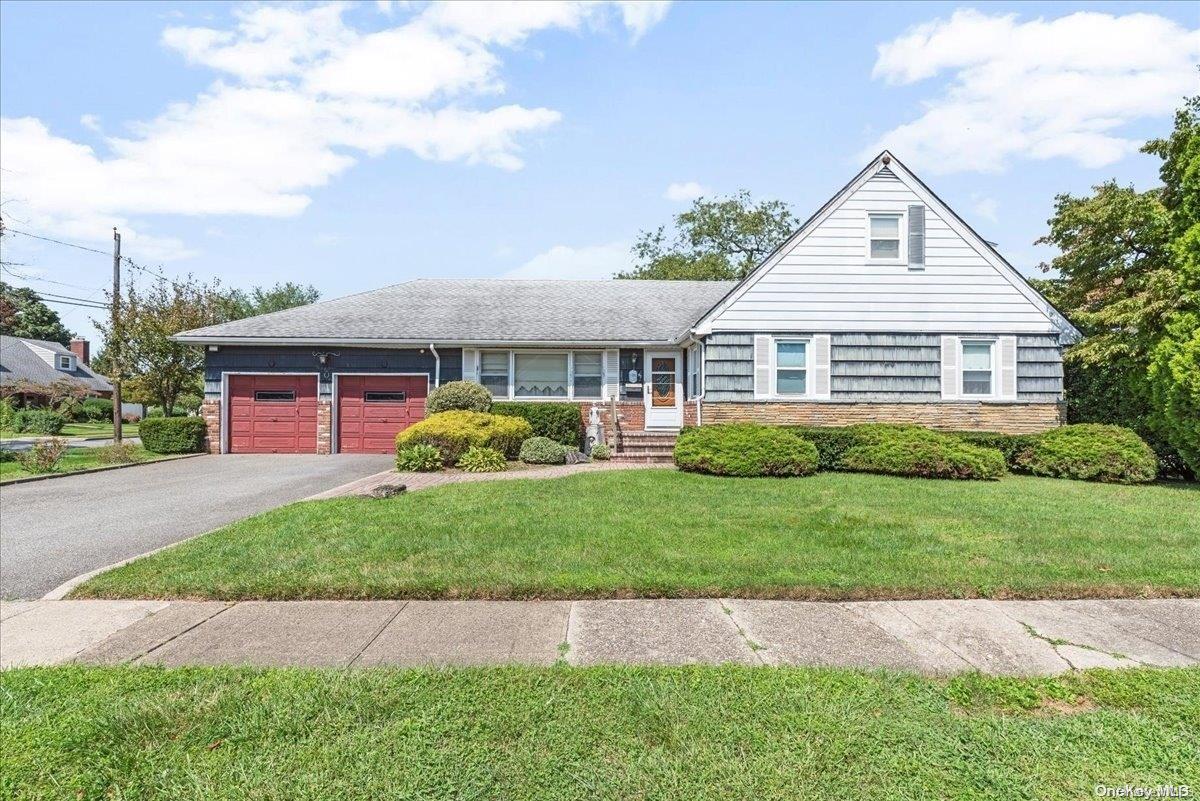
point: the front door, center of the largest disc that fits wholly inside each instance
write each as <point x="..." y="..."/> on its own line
<point x="664" y="401"/>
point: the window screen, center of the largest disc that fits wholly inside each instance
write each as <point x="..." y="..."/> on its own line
<point x="885" y="236"/>
<point x="493" y="372"/>
<point x="587" y="374"/>
<point x="275" y="396"/>
<point x="385" y="397"/>
<point x="791" y="368"/>
<point x="540" y="375"/>
<point x="977" y="368"/>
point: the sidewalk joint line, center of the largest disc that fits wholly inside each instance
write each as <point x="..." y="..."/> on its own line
<point x="1140" y="635"/>
<point x="932" y="634"/>
<point x="378" y="632"/>
<point x="755" y="647"/>
<point x="192" y="627"/>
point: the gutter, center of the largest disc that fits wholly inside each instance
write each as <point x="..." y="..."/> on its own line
<point x="437" y="366"/>
<point x="421" y="343"/>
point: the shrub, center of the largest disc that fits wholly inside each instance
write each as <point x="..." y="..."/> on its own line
<point x="1091" y="452"/>
<point x="43" y="457"/>
<point x="7" y="412"/>
<point x="744" y="449"/>
<point x="543" y="450"/>
<point x="459" y="396"/>
<point x="38" y="421"/>
<point x="173" y="434"/>
<point x="419" y="459"/>
<point x="560" y="422"/>
<point x="482" y="460"/>
<point x="453" y="432"/>
<point x="925" y="458"/>
<point x="124" y="453"/>
<point x="94" y="410"/>
<point x="831" y="442"/>
<point x="600" y="452"/>
<point x="1011" y="445"/>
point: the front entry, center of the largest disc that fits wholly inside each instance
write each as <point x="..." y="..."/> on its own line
<point x="664" y="401"/>
<point x="373" y="409"/>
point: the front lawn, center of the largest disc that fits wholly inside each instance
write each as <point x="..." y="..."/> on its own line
<point x="665" y="533"/>
<point x="89" y="430"/>
<point x="563" y="733"/>
<point x="73" y="460"/>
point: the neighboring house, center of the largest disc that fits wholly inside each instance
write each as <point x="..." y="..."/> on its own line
<point x="36" y="362"/>
<point x="883" y="306"/>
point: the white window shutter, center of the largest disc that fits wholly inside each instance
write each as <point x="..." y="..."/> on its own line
<point x="762" y="366"/>
<point x="949" y="367"/>
<point x="470" y="369"/>
<point x="916" y="237"/>
<point x="612" y="374"/>
<point x="1008" y="367"/>
<point x="821" y="348"/>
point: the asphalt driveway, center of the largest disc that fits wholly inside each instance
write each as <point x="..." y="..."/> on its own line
<point x="52" y="531"/>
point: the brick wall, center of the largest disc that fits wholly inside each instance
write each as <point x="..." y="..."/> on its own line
<point x="1010" y="418"/>
<point x="324" y="427"/>
<point x="210" y="410"/>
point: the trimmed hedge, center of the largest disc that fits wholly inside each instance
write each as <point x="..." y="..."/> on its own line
<point x="452" y="433"/>
<point x="904" y="450"/>
<point x="744" y="449"/>
<point x="1011" y="445"/>
<point x="1091" y="452"/>
<point x="94" y="410"/>
<point x="459" y="396"/>
<point x="38" y="421"/>
<point x="173" y="434"/>
<point x="831" y="442"/>
<point x="543" y="450"/>
<point x="560" y="422"/>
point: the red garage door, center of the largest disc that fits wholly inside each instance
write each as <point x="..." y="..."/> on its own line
<point x="372" y="409"/>
<point x="272" y="414"/>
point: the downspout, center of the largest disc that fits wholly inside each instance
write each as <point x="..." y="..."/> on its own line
<point x="700" y="374"/>
<point x="437" y="366"/>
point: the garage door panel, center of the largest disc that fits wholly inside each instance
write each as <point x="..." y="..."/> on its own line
<point x="273" y="414"/>
<point x="373" y="409"/>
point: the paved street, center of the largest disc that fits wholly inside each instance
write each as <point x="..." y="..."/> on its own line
<point x="932" y="637"/>
<point x="52" y="531"/>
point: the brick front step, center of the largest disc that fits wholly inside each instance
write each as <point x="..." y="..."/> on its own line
<point x="642" y="458"/>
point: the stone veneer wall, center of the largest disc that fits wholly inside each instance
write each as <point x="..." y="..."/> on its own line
<point x="1009" y="418"/>
<point x="324" y="427"/>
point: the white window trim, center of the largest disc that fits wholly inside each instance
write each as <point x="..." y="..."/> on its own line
<point x="570" y="354"/>
<point x="808" y="368"/>
<point x="479" y="372"/>
<point x="962" y="370"/>
<point x="902" y="234"/>
<point x="65" y="362"/>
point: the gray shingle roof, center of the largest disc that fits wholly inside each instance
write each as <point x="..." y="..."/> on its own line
<point x="19" y="363"/>
<point x="490" y="310"/>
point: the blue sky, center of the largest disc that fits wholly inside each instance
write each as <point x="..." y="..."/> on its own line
<point x="356" y="146"/>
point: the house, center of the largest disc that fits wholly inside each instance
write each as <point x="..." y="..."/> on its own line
<point x="883" y="306"/>
<point x="33" y="363"/>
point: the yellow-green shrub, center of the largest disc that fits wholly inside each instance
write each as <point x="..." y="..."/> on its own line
<point x="452" y="433"/>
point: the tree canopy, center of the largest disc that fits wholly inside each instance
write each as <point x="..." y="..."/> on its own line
<point x="715" y="240"/>
<point x="23" y="314"/>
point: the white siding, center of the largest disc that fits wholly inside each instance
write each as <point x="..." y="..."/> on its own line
<point x="825" y="283"/>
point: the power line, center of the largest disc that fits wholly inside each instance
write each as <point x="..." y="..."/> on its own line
<point x="39" y="279"/>
<point x="128" y="261"/>
<point x="56" y="241"/>
<point x="73" y="303"/>
<point x="69" y="297"/>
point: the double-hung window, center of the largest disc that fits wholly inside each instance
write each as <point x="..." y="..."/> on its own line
<point x="977" y="364"/>
<point x="588" y="374"/>
<point x="540" y="375"/>
<point x="493" y="372"/>
<point x="883" y="235"/>
<point x="64" y="362"/>
<point x="791" y="367"/>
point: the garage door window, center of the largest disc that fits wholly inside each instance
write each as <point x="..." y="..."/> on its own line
<point x="384" y="397"/>
<point x="275" y="396"/>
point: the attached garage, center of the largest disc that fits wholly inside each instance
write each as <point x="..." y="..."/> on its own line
<point x="373" y="409"/>
<point x="272" y="414"/>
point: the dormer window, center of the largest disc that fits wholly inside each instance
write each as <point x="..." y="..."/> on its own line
<point x="883" y="236"/>
<point x="66" y="363"/>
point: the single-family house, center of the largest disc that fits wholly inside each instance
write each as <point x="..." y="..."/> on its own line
<point x="883" y="306"/>
<point x="29" y="364"/>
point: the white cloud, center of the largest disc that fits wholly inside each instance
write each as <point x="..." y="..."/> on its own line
<point x="1039" y="89"/>
<point x="985" y="207"/>
<point x="304" y="97"/>
<point x="686" y="191"/>
<point x="563" y="261"/>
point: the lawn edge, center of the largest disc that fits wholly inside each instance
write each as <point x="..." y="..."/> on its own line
<point x="8" y="482"/>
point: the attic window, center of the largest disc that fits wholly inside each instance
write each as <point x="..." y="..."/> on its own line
<point x="883" y="232"/>
<point x="64" y="363"/>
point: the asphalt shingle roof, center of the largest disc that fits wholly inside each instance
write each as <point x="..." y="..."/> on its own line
<point x="19" y="363"/>
<point x="491" y="310"/>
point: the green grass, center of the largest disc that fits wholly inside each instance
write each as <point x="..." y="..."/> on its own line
<point x="664" y="533"/>
<point x="90" y="430"/>
<point x="73" y="460"/>
<point x="607" y="733"/>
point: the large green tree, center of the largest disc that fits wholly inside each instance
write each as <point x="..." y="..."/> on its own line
<point x="23" y="314"/>
<point x="263" y="300"/>
<point x="715" y="240"/>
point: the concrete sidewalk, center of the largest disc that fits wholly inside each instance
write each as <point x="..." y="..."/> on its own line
<point x="934" y="637"/>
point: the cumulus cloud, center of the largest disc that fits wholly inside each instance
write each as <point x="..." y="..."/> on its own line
<point x="985" y="207"/>
<point x="686" y="191"/>
<point x="563" y="261"/>
<point x="302" y="96"/>
<point x="1039" y="89"/>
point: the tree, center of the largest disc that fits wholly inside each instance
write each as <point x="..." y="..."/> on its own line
<point x="714" y="240"/>
<point x="263" y="301"/>
<point x="155" y="367"/>
<point x="23" y="314"/>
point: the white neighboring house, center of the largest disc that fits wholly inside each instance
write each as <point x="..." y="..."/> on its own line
<point x="884" y="306"/>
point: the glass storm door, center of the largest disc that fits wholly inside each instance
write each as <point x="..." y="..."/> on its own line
<point x="664" y="401"/>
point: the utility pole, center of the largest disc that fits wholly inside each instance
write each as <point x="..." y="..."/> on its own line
<point x="115" y="345"/>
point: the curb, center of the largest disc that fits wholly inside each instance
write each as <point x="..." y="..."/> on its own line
<point x="47" y="476"/>
<point x="62" y="590"/>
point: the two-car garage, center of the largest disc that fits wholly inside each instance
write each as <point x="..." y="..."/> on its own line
<point x="278" y="413"/>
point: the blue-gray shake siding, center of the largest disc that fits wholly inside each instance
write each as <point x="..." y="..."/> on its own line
<point x="279" y="359"/>
<point x="881" y="368"/>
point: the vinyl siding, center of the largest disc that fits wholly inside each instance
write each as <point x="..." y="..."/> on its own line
<point x="233" y="359"/>
<point x="825" y="283"/>
<point x="880" y="367"/>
